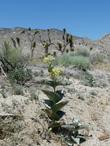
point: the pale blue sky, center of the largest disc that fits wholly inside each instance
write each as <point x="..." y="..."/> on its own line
<point x="87" y="18"/>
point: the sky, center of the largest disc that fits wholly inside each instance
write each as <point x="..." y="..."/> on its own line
<point x="86" y="18"/>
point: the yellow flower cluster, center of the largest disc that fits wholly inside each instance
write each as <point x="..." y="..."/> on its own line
<point x="49" y="59"/>
<point x="55" y="72"/>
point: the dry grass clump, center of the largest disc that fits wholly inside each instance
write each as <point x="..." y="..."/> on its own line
<point x="102" y="66"/>
<point x="96" y="57"/>
<point x="10" y="124"/>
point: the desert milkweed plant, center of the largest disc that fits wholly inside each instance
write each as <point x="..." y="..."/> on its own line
<point x="69" y="133"/>
<point x="54" y="103"/>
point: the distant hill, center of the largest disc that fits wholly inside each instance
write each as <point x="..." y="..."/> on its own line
<point x="102" y="45"/>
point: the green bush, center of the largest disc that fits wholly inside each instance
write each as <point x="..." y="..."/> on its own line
<point x="78" y="61"/>
<point x="20" y="75"/>
<point x="89" y="79"/>
<point x="18" y="89"/>
<point x="14" y="64"/>
<point x="71" y="133"/>
<point x="9" y="56"/>
<point x="82" y="52"/>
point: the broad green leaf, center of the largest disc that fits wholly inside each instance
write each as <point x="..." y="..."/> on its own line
<point x="82" y="139"/>
<point x="55" y="97"/>
<point x="78" y="140"/>
<point x="58" y="115"/>
<point x="49" y="103"/>
<point x="59" y="106"/>
<point x="54" y="116"/>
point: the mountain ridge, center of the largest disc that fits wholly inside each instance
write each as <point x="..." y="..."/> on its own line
<point x="51" y="29"/>
<point x="102" y="45"/>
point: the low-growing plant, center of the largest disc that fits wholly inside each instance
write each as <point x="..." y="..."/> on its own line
<point x="96" y="58"/>
<point x="20" y="75"/>
<point x="2" y="91"/>
<point x="82" y="52"/>
<point x="34" y="96"/>
<point x="17" y="89"/>
<point x="71" y="133"/>
<point x="9" y="56"/>
<point x="79" y="62"/>
<point x="14" y="63"/>
<point x="89" y="79"/>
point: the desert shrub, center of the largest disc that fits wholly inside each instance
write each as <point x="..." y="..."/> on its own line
<point x="89" y="79"/>
<point x="82" y="52"/>
<point x="3" y="93"/>
<point x="20" y="75"/>
<point x="96" y="58"/>
<point x="10" y="57"/>
<point x="34" y="94"/>
<point x="15" y="64"/>
<point x="78" y="61"/>
<point x="17" y="89"/>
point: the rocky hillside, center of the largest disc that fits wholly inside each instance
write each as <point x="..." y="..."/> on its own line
<point x="102" y="45"/>
<point x="85" y="82"/>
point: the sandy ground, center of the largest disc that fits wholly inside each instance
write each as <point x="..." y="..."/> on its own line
<point x="89" y="104"/>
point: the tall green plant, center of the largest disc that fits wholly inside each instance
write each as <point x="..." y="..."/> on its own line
<point x="54" y="104"/>
<point x="69" y="133"/>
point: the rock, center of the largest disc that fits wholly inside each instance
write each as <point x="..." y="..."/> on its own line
<point x="103" y="136"/>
